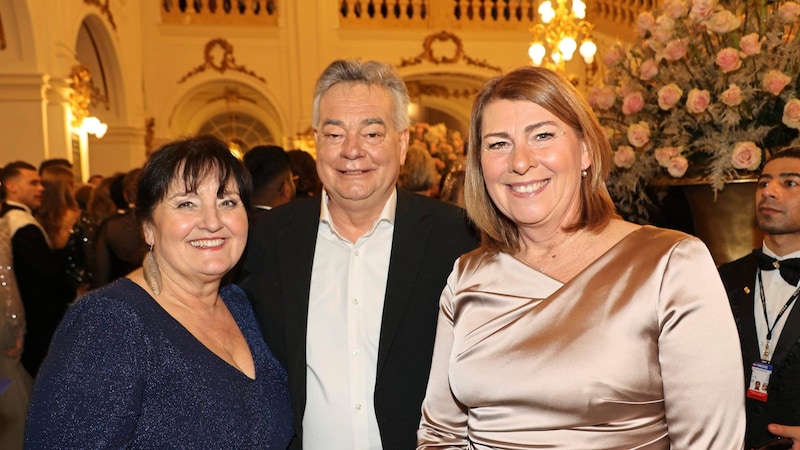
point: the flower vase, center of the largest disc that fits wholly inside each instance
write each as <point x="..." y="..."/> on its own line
<point x="727" y="223"/>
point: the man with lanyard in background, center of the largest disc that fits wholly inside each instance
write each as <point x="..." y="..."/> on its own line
<point x="763" y="291"/>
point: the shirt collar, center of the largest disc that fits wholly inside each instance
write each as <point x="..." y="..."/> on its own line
<point x="387" y="213"/>
<point x="768" y="251"/>
<point x="19" y="205"/>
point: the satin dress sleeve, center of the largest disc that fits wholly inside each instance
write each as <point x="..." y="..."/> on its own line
<point x="637" y="351"/>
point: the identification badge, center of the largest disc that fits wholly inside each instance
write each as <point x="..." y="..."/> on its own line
<point x="759" y="381"/>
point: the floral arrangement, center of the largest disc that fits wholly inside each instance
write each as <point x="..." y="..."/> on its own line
<point x="446" y="146"/>
<point x="708" y="89"/>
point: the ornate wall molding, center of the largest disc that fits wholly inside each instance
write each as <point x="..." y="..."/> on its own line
<point x="417" y="88"/>
<point x="429" y="53"/>
<point x="84" y="94"/>
<point x="105" y="10"/>
<point x="227" y="62"/>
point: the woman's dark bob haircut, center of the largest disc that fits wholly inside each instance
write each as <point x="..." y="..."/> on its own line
<point x="555" y="94"/>
<point x="191" y="160"/>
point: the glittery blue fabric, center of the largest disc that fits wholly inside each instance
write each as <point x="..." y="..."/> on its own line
<point x="121" y="372"/>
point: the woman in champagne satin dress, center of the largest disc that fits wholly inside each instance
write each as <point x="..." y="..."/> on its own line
<point x="571" y="328"/>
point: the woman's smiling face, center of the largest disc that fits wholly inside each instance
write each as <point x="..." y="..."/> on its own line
<point x="531" y="163"/>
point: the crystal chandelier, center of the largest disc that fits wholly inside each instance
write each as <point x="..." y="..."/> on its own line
<point x="559" y="33"/>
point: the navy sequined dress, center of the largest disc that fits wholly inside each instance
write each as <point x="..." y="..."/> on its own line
<point x="121" y="372"/>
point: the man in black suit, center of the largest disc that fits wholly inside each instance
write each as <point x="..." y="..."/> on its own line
<point x="346" y="287"/>
<point x="43" y="284"/>
<point x="763" y="290"/>
<point x="273" y="180"/>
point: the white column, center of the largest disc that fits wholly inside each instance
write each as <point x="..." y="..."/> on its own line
<point x="23" y="119"/>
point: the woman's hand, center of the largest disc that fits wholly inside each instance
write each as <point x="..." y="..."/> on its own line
<point x="792" y="433"/>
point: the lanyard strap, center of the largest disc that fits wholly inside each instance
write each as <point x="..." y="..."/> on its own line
<point x="780" y="313"/>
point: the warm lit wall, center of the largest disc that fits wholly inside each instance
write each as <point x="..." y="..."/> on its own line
<point x="156" y="70"/>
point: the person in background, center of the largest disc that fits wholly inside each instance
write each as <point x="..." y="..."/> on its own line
<point x="763" y="289"/>
<point x="305" y="168"/>
<point x="119" y="244"/>
<point x="101" y="206"/>
<point x="596" y="329"/>
<point x="166" y="357"/>
<point x="452" y="190"/>
<point x="15" y="382"/>
<point x="792" y="433"/>
<point x="418" y="173"/>
<point x="44" y="285"/>
<point x="273" y="181"/>
<point x="95" y="179"/>
<point x="60" y="162"/>
<point x="83" y="194"/>
<point x="70" y="232"/>
<point x="346" y="285"/>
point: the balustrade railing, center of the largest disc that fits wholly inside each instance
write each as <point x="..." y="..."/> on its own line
<point x="476" y="15"/>
<point x="611" y="17"/>
<point x="220" y="12"/>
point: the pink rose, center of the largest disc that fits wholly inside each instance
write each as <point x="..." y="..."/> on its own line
<point x="675" y="9"/>
<point x="697" y="101"/>
<point x="624" y="157"/>
<point x="663" y="29"/>
<point x="723" y="21"/>
<point x="639" y="134"/>
<point x="702" y="9"/>
<point x="601" y="97"/>
<point x="732" y="96"/>
<point x="648" y="70"/>
<point x="751" y="44"/>
<point x="664" y="155"/>
<point x="669" y="96"/>
<point x="746" y="155"/>
<point x="677" y="166"/>
<point x="614" y="55"/>
<point x="675" y="49"/>
<point x="791" y="114"/>
<point x="728" y="60"/>
<point x="774" y="81"/>
<point x="632" y="103"/>
<point x="789" y="12"/>
<point x="644" y="22"/>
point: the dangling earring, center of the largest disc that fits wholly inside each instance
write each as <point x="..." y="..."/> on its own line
<point x="584" y="172"/>
<point x="150" y="270"/>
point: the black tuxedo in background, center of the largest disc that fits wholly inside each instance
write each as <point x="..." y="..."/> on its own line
<point x="44" y="288"/>
<point x="783" y="394"/>
<point x="428" y="237"/>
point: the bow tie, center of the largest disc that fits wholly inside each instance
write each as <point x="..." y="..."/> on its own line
<point x="789" y="268"/>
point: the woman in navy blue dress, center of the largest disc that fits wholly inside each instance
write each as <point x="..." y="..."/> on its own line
<point x="166" y="357"/>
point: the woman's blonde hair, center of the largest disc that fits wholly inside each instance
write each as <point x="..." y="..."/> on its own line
<point x="555" y="94"/>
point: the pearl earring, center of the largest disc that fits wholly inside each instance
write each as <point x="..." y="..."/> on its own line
<point x="584" y="173"/>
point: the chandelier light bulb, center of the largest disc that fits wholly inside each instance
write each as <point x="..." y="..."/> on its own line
<point x="556" y="57"/>
<point x="588" y="50"/>
<point x="92" y="125"/>
<point x="579" y="9"/>
<point x="547" y="12"/>
<point x="537" y="52"/>
<point x="567" y="47"/>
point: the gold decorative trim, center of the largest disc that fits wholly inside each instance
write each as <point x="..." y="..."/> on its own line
<point x="227" y="62"/>
<point x="417" y="88"/>
<point x="428" y="55"/>
<point x="84" y="93"/>
<point x="149" y="134"/>
<point x="3" y="44"/>
<point x="105" y="10"/>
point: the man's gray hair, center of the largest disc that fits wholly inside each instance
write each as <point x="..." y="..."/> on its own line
<point x="369" y="73"/>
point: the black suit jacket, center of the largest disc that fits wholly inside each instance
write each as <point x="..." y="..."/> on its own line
<point x="44" y="288"/>
<point x="428" y="237"/>
<point x="783" y="393"/>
